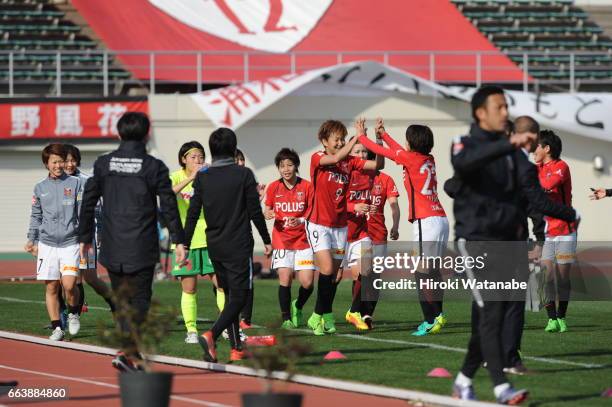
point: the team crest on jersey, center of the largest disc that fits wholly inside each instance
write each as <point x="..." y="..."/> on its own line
<point x="300" y="196"/>
<point x="377" y="189"/>
<point x="68" y="192"/>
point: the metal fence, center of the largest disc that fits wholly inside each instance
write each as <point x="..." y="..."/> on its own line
<point x="104" y="72"/>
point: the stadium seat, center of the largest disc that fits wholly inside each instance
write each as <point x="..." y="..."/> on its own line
<point x="518" y="26"/>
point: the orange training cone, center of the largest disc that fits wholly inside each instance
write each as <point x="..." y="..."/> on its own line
<point x="439" y="372"/>
<point x="334" y="355"/>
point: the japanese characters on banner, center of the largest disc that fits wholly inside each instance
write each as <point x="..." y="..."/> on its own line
<point x="65" y="119"/>
<point x="585" y="114"/>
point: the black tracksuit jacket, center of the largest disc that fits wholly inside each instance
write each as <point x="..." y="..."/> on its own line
<point x="492" y="181"/>
<point x="228" y="194"/>
<point x="129" y="181"/>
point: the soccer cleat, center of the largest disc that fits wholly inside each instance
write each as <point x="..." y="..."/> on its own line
<point x="319" y="330"/>
<point x="329" y="323"/>
<point x="463" y="392"/>
<point x="442" y="320"/>
<point x="236" y="355"/>
<point x="244" y="324"/>
<point x="57" y="334"/>
<point x="314" y="321"/>
<point x="425" y="329"/>
<point x="512" y="397"/>
<point x="562" y="325"/>
<point x="243" y="336"/>
<point x="287" y="324"/>
<point x="192" y="337"/>
<point x="122" y="363"/>
<point x="519" y="370"/>
<point x="552" y="326"/>
<point x="354" y="318"/>
<point x="74" y="324"/>
<point x="437" y="326"/>
<point x="207" y="343"/>
<point x="296" y="314"/>
<point x="84" y="308"/>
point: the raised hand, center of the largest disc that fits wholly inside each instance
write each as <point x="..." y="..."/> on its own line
<point x="360" y="126"/>
<point x="379" y="129"/>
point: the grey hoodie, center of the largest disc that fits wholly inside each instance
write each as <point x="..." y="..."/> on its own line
<point x="55" y="211"/>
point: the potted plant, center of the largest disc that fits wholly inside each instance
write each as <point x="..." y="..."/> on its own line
<point x="269" y="360"/>
<point x="141" y="387"/>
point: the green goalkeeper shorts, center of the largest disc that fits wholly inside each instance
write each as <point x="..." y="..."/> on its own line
<point x="199" y="264"/>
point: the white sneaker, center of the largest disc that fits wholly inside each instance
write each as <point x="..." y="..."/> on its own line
<point x="243" y="336"/>
<point x="74" y="324"/>
<point x="57" y="334"/>
<point x="192" y="337"/>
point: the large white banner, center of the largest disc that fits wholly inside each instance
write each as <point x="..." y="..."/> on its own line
<point x="586" y="114"/>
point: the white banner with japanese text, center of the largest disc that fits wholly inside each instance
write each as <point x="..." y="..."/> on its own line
<point x="585" y="114"/>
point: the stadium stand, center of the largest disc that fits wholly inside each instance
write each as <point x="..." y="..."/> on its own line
<point x="35" y="35"/>
<point x="548" y="31"/>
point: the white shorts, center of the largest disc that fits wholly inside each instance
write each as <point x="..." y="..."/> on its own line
<point x="327" y="238"/>
<point x="293" y="259"/>
<point x="55" y="262"/>
<point x="561" y="249"/>
<point x="432" y="236"/>
<point x="357" y="250"/>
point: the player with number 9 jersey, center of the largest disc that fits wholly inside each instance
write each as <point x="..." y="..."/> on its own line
<point x="326" y="224"/>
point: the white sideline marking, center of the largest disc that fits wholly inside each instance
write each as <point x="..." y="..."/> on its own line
<point x="103" y="384"/>
<point x="462" y="350"/>
<point x="333" y="384"/>
<point x="91" y="307"/>
<point x="382" y="340"/>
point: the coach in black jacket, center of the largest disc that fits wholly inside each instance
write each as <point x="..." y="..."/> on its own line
<point x="492" y="175"/>
<point x="130" y="181"/>
<point x="228" y="194"/>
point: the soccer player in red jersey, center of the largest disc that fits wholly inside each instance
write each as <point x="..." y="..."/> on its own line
<point x="326" y="224"/>
<point x="425" y="211"/>
<point x="559" y="251"/>
<point x="383" y="190"/>
<point x="287" y="200"/>
<point x="358" y="258"/>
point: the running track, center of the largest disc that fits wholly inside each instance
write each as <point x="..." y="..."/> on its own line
<point x="92" y="381"/>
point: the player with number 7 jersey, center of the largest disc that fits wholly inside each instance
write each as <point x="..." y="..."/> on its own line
<point x="430" y="225"/>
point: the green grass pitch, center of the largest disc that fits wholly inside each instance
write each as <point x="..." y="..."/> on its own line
<point x="570" y="369"/>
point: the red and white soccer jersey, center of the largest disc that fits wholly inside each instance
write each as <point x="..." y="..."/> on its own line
<point x="359" y="191"/>
<point x="288" y="203"/>
<point x="556" y="181"/>
<point x="330" y="187"/>
<point x="419" y="177"/>
<point x="383" y="187"/>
